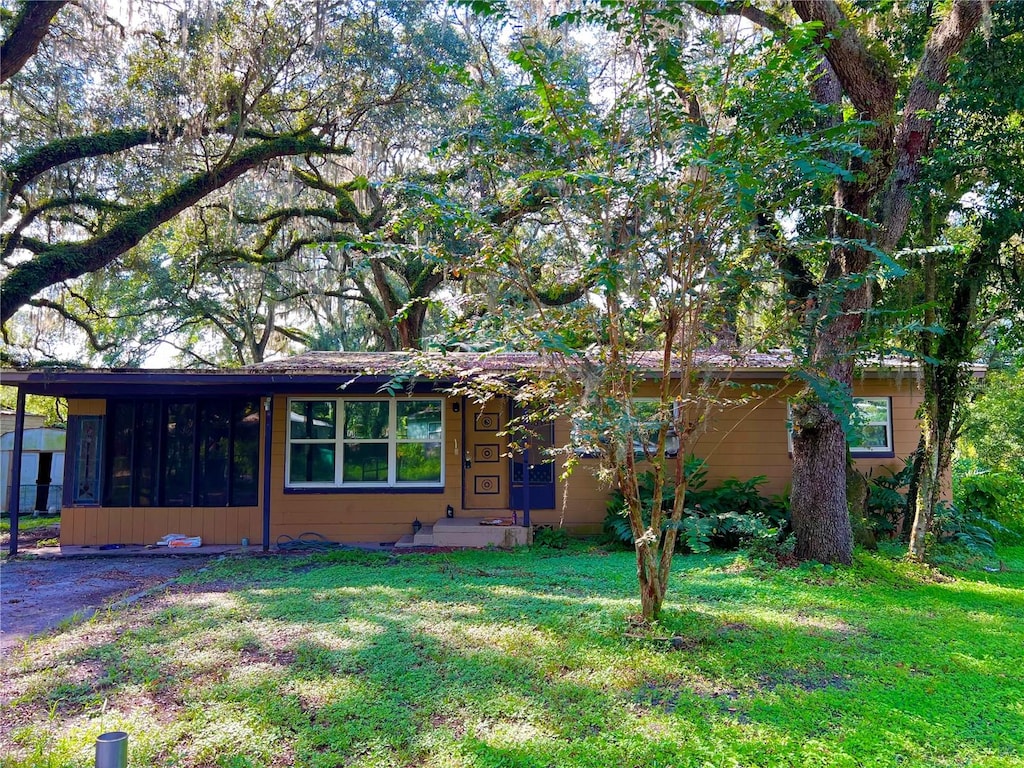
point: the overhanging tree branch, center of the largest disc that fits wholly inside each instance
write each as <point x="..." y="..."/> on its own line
<point x="64" y="261"/>
<point x="27" y="31"/>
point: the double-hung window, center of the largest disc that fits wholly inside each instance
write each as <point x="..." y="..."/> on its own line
<point x="643" y="419"/>
<point x="372" y="442"/>
<point x="871" y="428"/>
<point x="650" y="416"/>
<point x="871" y="432"/>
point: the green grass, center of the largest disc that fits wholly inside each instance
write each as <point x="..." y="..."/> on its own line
<point x="528" y="658"/>
<point x="26" y="522"/>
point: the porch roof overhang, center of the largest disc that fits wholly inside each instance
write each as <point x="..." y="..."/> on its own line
<point x="168" y="383"/>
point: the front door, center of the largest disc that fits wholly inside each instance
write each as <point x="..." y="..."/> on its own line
<point x="485" y="463"/>
<point x="542" y="469"/>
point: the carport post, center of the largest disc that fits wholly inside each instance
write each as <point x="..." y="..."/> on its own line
<point x="526" y="484"/>
<point x="268" y="435"/>
<point x="14" y="500"/>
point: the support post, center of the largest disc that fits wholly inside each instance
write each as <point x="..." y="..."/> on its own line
<point x="526" y="485"/>
<point x="14" y="499"/>
<point x="268" y="440"/>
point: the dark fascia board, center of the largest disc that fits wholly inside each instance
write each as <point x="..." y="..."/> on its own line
<point x="123" y="383"/>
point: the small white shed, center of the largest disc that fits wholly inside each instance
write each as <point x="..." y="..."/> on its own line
<point x="42" y="469"/>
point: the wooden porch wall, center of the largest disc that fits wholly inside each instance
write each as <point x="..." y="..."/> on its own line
<point x="95" y="526"/>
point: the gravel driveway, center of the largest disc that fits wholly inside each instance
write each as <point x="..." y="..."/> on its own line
<point x="36" y="595"/>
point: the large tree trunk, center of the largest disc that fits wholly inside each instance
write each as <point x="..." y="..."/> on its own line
<point x="821" y="521"/>
<point x="897" y="144"/>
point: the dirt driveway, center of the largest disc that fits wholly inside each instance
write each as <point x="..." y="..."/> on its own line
<point x="36" y="595"/>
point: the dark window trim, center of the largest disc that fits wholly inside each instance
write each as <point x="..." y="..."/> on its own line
<point x="348" y="491"/>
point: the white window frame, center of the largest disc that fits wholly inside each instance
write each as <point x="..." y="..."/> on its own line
<point x="888" y="449"/>
<point x="338" y="442"/>
<point x="857" y="451"/>
<point x="671" y="438"/>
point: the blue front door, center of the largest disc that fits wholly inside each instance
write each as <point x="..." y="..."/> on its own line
<point x="542" y="470"/>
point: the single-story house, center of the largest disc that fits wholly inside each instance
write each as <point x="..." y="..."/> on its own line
<point x="315" y="443"/>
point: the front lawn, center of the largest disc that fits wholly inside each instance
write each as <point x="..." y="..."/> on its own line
<point x="528" y="658"/>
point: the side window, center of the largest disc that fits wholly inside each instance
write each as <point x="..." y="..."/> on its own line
<point x="649" y="418"/>
<point x="871" y="432"/>
<point x="590" y="436"/>
<point x="88" y="465"/>
<point x="872" y="426"/>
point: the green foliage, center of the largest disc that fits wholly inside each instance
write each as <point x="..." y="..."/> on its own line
<point x="963" y="529"/>
<point x="991" y="499"/>
<point x="994" y="433"/>
<point x="721" y="517"/>
<point x="552" y="538"/>
<point x="887" y="499"/>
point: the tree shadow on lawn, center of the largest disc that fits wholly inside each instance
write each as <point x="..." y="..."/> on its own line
<point x="491" y="662"/>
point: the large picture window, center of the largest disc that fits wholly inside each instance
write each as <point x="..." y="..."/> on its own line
<point x="348" y="442"/>
<point x="174" y="453"/>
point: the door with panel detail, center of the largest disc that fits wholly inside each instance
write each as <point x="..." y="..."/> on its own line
<point x="485" y="476"/>
<point x="542" y="469"/>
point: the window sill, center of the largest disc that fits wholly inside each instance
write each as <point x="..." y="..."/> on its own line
<point x="366" y="489"/>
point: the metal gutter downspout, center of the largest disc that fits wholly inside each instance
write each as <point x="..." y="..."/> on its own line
<point x="268" y="439"/>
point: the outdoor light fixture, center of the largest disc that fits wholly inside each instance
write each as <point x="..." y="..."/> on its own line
<point x="456" y="407"/>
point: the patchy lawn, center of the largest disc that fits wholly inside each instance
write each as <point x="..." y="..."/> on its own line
<point x="527" y="658"/>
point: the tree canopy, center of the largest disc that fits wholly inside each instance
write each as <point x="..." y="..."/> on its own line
<point x="238" y="180"/>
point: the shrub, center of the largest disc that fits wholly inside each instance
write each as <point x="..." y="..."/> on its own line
<point x="992" y="499"/>
<point x="552" y="538"/>
<point x="723" y="516"/>
<point x="887" y="500"/>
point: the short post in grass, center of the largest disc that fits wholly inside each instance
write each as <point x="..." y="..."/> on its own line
<point x="112" y="750"/>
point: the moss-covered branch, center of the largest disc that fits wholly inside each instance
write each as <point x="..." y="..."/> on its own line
<point x="58" y="152"/>
<point x="65" y="261"/>
<point x="26" y="32"/>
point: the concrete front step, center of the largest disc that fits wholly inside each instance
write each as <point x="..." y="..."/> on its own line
<point x="422" y="538"/>
<point x="467" y="532"/>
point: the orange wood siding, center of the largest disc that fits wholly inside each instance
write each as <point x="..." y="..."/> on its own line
<point x="740" y="443"/>
<point x="87" y="407"/>
<point x="348" y="516"/>
<point x="744" y="442"/>
<point x="95" y="526"/>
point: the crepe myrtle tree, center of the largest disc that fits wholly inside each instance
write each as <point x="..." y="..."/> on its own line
<point x="647" y="195"/>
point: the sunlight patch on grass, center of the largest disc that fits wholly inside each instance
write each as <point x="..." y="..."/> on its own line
<point x="522" y="659"/>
